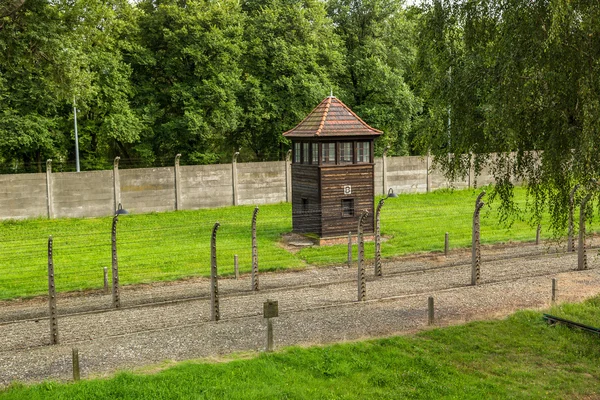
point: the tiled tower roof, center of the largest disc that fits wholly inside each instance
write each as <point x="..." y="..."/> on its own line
<point x="331" y="118"/>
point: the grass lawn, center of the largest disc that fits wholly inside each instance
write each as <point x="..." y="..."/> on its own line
<point x="173" y="245"/>
<point x="519" y="357"/>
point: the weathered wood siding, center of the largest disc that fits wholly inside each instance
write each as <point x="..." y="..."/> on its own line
<point x="305" y="185"/>
<point x="333" y="180"/>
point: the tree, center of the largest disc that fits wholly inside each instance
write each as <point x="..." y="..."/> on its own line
<point x="188" y="78"/>
<point x="291" y="59"/>
<point x="379" y="53"/>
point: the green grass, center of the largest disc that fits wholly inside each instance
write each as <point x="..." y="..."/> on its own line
<point x="519" y="357"/>
<point x="174" y="245"/>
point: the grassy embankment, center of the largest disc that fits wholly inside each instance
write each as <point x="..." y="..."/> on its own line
<point x="519" y="357"/>
<point x="173" y="245"/>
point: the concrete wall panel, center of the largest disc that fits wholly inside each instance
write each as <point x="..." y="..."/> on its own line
<point x="83" y="194"/>
<point x="206" y="186"/>
<point x="261" y="182"/>
<point x="23" y="196"/>
<point x="407" y="174"/>
<point x="148" y="189"/>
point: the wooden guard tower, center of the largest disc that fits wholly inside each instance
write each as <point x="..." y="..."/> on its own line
<point x="332" y="171"/>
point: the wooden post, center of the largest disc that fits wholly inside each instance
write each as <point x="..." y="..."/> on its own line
<point x="430" y="311"/>
<point x="234" y="177"/>
<point x="269" y="335"/>
<point x="214" y="278"/>
<point x="538" y="234"/>
<point x="362" y="286"/>
<point x="49" y="196"/>
<point x="178" y="204"/>
<point x="254" y="252"/>
<point x="52" y="296"/>
<point x="236" y="268"/>
<point x="475" y="242"/>
<point x="349" y="249"/>
<point x="570" y="236"/>
<point x="554" y="290"/>
<point x="76" y="370"/>
<point x="446" y="244"/>
<point x="270" y="311"/>
<point x="105" y="280"/>
<point x="116" y="298"/>
<point x="288" y="176"/>
<point x="116" y="184"/>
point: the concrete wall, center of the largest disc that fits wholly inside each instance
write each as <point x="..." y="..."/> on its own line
<point x="92" y="194"/>
<point x="23" y="196"/>
<point x="148" y="189"/>
<point x="261" y="182"/>
<point x="88" y="194"/>
<point x="206" y="186"/>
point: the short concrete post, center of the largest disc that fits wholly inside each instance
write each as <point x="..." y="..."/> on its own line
<point x="475" y="242"/>
<point x="554" y="290"/>
<point x="254" y="252"/>
<point x="52" y="296"/>
<point x="570" y="235"/>
<point x="178" y="204"/>
<point x="270" y="310"/>
<point x="430" y="311"/>
<point x="105" y="280"/>
<point x="116" y="184"/>
<point x="349" y="249"/>
<point x="49" y="196"/>
<point x="214" y="278"/>
<point x="582" y="253"/>
<point x="234" y="177"/>
<point x="446" y="244"/>
<point x="236" y="268"/>
<point x="362" y="285"/>
<point x="76" y="369"/>
<point x="116" y="298"/>
<point x="288" y="176"/>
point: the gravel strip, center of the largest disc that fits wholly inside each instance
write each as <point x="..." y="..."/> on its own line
<point x="316" y="306"/>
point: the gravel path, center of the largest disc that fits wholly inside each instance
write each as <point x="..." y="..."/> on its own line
<point x="315" y="305"/>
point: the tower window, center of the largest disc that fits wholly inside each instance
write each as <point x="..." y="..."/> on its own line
<point x="347" y="207"/>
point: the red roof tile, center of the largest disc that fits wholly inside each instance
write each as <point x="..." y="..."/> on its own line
<point x="332" y="118"/>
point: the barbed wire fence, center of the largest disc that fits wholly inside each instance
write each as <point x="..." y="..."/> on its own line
<point x="178" y="259"/>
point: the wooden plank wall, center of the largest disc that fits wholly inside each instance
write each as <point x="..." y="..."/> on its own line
<point x="305" y="184"/>
<point x="333" y="180"/>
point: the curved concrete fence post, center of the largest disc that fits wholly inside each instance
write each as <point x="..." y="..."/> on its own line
<point x="476" y="242"/>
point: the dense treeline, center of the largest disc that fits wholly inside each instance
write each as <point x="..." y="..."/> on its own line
<point x="204" y="78"/>
<point x="198" y="77"/>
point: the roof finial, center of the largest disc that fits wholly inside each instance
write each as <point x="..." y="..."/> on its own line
<point x="331" y="92"/>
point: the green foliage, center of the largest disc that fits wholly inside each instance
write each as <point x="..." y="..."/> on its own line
<point x="519" y="357"/>
<point x="513" y="76"/>
<point x="379" y="53"/>
<point x="291" y="59"/>
<point x="189" y="76"/>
